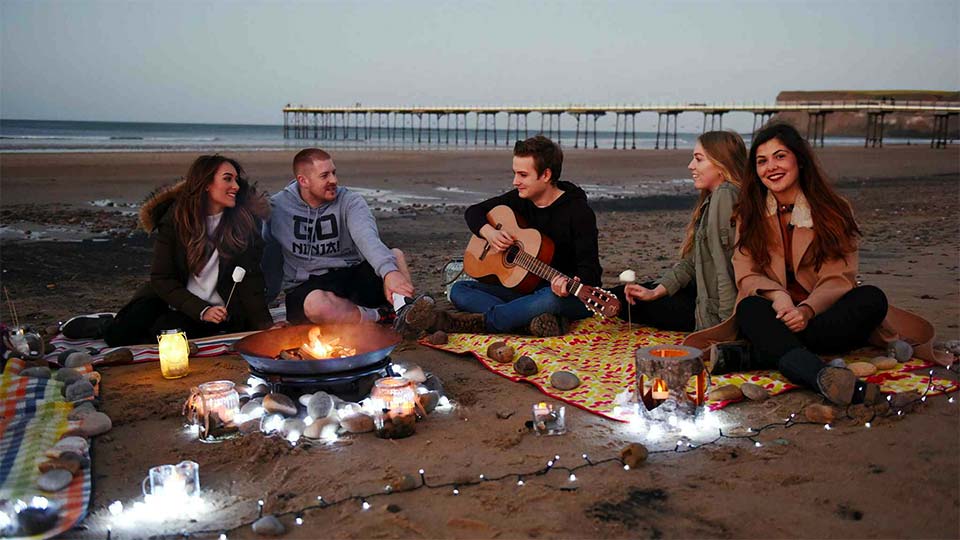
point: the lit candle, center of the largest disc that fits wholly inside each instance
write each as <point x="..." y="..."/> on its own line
<point x="660" y="389"/>
<point x="174" y="354"/>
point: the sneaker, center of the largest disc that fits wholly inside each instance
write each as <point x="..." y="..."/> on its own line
<point x="837" y="385"/>
<point x="86" y="326"/>
<point x="418" y="314"/>
<point x="546" y="325"/>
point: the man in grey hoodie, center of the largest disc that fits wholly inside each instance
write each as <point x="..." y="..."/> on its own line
<point x="335" y="268"/>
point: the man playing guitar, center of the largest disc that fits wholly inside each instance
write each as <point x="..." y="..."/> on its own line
<point x="557" y="209"/>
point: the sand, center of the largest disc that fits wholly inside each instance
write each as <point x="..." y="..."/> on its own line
<point x="899" y="478"/>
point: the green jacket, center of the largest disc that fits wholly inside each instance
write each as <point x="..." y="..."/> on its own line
<point x="709" y="261"/>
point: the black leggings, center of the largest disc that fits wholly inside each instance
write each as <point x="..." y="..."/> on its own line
<point x="675" y="312"/>
<point x="845" y="326"/>
<point x="143" y="319"/>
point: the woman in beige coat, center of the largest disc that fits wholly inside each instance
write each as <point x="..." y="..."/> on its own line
<point x="796" y="262"/>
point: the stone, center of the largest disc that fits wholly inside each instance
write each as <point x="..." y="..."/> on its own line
<point x="95" y="423"/>
<point x="564" y="380"/>
<point x="634" y="455"/>
<point x="500" y="352"/>
<point x="429" y="401"/>
<point x="81" y="389"/>
<point x="317" y="429"/>
<point x="525" y="366"/>
<point x="415" y="374"/>
<point x="82" y="459"/>
<point x="304" y="399"/>
<point x="54" y="480"/>
<point x="862" y="369"/>
<point x="883" y="362"/>
<point x="194" y="348"/>
<point x="67" y="461"/>
<point x="821" y="414"/>
<point x="293" y="424"/>
<point x="122" y="355"/>
<point x="259" y="390"/>
<point x="438" y="338"/>
<point x="900" y="349"/>
<point x="67" y="376"/>
<point x="404" y="483"/>
<point x="62" y="355"/>
<point x="51" y="330"/>
<point x="754" y="392"/>
<point x="434" y="383"/>
<point x="357" y="423"/>
<point x="251" y="406"/>
<point x="268" y="525"/>
<point x="727" y="392"/>
<point x="35" y="521"/>
<point x="36" y="372"/>
<point x="78" y="359"/>
<point x="81" y="410"/>
<point x="320" y="405"/>
<point x="275" y="403"/>
<point x="77" y="445"/>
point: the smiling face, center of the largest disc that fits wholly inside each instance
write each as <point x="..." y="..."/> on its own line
<point x="706" y="174"/>
<point x="779" y="171"/>
<point x="318" y="182"/>
<point x="529" y="185"/>
<point x="222" y="190"/>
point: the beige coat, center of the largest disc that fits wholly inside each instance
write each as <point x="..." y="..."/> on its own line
<point x="826" y="285"/>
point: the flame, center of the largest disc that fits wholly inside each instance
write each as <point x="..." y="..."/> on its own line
<point x="319" y="349"/>
<point x="659" y="385"/>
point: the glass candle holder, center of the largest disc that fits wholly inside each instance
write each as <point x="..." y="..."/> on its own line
<point x="174" y="354"/>
<point x="549" y="420"/>
<point x="173" y="481"/>
<point x="395" y="423"/>
<point x="220" y="404"/>
<point x="394" y="392"/>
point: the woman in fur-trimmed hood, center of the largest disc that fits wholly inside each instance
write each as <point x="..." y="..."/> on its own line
<point x="208" y="228"/>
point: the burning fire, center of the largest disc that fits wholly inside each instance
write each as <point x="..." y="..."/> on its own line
<point x="317" y="349"/>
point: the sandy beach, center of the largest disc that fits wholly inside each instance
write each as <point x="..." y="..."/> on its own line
<point x="900" y="478"/>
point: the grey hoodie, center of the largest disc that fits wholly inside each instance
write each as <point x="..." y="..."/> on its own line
<point x="313" y="241"/>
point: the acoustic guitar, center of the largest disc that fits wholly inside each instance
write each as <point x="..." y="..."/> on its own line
<point x="526" y="263"/>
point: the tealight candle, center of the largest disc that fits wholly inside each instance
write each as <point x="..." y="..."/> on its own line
<point x="549" y="420"/>
<point x="660" y="389"/>
<point x="174" y="354"/>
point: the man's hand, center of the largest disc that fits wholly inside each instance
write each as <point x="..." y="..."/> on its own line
<point x="559" y="286"/>
<point x="635" y="292"/>
<point x="499" y="240"/>
<point x="396" y="282"/>
<point x="214" y="314"/>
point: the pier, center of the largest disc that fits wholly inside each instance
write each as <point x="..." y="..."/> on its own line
<point x="423" y="124"/>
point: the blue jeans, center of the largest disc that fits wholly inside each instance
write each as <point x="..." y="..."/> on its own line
<point x="506" y="310"/>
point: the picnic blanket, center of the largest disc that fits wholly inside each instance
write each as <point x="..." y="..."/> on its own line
<point x="601" y="353"/>
<point x="149" y="352"/>
<point x="33" y="417"/>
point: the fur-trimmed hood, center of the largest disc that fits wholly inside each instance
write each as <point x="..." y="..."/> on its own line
<point x="159" y="202"/>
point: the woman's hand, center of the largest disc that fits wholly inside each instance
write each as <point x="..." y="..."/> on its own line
<point x="498" y="239"/>
<point x="214" y="314"/>
<point x="797" y="318"/>
<point x="635" y="292"/>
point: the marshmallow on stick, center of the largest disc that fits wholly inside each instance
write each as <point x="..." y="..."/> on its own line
<point x="628" y="276"/>
<point x="238" y="275"/>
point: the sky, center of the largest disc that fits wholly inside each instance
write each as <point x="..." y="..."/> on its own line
<point x="242" y="61"/>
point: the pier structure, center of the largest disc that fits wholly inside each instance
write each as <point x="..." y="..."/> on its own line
<point x="397" y="123"/>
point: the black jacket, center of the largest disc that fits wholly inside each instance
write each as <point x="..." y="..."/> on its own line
<point x="569" y="222"/>
<point x="169" y="273"/>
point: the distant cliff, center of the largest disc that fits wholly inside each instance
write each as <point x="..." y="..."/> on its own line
<point x="855" y="124"/>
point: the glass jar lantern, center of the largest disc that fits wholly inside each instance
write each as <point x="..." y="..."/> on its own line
<point x="174" y="354"/>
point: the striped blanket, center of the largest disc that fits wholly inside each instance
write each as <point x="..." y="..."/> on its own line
<point x="33" y="417"/>
<point x="601" y="353"/>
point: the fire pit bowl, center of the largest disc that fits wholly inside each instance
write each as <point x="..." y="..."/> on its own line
<point x="373" y="343"/>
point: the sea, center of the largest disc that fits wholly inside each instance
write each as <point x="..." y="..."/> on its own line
<point x="32" y="136"/>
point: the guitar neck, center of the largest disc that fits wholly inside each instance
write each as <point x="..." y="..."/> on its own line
<point x="537" y="267"/>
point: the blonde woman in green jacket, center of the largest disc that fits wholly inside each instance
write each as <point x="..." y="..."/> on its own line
<point x="700" y="290"/>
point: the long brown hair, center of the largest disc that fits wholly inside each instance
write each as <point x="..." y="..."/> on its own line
<point x="725" y="149"/>
<point x="835" y="231"/>
<point x="237" y="226"/>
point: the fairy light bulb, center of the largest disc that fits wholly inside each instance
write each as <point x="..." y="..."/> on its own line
<point x="482" y="477"/>
<point x="365" y="505"/>
<point x="299" y="520"/>
<point x="223" y="536"/>
<point x="572" y="477"/>
<point x="456" y="491"/>
<point x="868" y="425"/>
<point x="827" y="427"/>
<point x="950" y="399"/>
<point x="520" y="481"/>
<point x="757" y="444"/>
<point x="550" y="464"/>
<point x="626" y="467"/>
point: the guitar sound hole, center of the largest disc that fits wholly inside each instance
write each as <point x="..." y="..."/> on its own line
<point x="510" y="255"/>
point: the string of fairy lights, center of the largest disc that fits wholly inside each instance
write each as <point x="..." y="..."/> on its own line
<point x="520" y="478"/>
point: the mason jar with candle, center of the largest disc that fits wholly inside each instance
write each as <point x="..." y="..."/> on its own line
<point x="220" y="404"/>
<point x="174" y="354"/>
<point x="548" y="419"/>
<point x="397" y="399"/>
